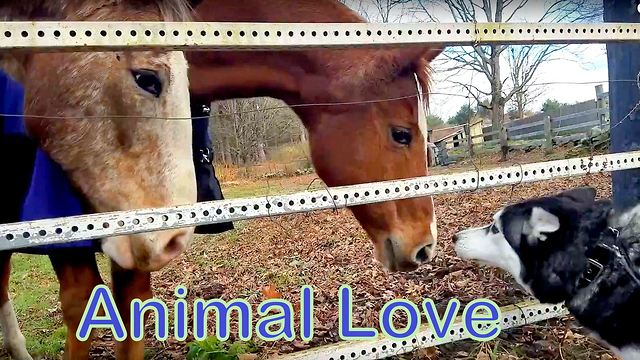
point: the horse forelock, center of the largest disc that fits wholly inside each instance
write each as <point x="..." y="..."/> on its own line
<point x="170" y="10"/>
<point x="423" y="70"/>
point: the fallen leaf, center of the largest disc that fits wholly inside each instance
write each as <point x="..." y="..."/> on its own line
<point x="569" y="335"/>
<point x="430" y="353"/>
<point x="299" y="344"/>
<point x="270" y="292"/>
<point x="482" y="356"/>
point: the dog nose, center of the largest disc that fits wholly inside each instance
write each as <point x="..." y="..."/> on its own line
<point x="455" y="238"/>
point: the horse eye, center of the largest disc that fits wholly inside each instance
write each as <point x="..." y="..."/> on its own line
<point x="148" y="80"/>
<point x="494" y="229"/>
<point x="401" y="135"/>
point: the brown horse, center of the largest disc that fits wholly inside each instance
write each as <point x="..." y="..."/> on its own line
<point x="117" y="161"/>
<point x="350" y="144"/>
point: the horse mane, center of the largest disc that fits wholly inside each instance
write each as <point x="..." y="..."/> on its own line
<point x="374" y="69"/>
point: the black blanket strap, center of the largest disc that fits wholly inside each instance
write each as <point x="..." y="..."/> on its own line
<point x="208" y="184"/>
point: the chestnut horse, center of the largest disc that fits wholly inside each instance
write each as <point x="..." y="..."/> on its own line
<point x="350" y="144"/>
<point x="116" y="161"/>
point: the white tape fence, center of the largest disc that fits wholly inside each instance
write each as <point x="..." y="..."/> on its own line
<point x="93" y="36"/>
<point x="94" y="226"/>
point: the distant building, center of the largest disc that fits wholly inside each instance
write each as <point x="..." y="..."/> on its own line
<point x="476" y="130"/>
<point x="454" y="136"/>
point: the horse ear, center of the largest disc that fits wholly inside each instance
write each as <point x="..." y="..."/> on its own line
<point x="414" y="60"/>
<point x="430" y="54"/>
<point x="194" y="3"/>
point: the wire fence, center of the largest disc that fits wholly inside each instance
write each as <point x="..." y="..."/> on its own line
<point x="254" y="36"/>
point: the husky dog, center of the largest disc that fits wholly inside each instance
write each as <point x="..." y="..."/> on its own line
<point x="570" y="248"/>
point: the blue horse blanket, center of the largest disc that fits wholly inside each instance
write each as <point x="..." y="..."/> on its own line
<point x="50" y="194"/>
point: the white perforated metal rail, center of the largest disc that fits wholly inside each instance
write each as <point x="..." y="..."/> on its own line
<point x="511" y="316"/>
<point x="60" y="230"/>
<point x="92" y="36"/>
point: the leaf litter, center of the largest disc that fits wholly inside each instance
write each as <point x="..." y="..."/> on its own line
<point x="273" y="257"/>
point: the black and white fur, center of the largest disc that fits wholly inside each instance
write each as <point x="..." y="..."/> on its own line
<point x="544" y="244"/>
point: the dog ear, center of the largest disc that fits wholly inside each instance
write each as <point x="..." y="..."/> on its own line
<point x="541" y="221"/>
<point x="533" y="226"/>
<point x="512" y="224"/>
<point x="584" y="195"/>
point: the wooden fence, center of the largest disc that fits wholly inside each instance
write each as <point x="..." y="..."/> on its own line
<point x="571" y="120"/>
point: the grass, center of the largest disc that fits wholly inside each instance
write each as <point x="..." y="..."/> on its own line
<point x="34" y="293"/>
<point x="213" y="349"/>
<point x="284" y="161"/>
<point x="265" y="187"/>
<point x="290" y="153"/>
<point x="250" y="190"/>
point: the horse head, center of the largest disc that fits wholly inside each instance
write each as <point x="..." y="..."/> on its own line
<point x="118" y="124"/>
<point x="360" y="107"/>
<point x="379" y="134"/>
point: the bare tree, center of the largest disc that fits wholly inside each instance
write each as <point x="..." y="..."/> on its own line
<point x="245" y="130"/>
<point x="523" y="60"/>
<point x="386" y="11"/>
<point x="524" y="91"/>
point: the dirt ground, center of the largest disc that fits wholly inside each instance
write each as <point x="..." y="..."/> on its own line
<point x="276" y="256"/>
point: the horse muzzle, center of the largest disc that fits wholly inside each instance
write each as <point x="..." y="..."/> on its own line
<point x="147" y="251"/>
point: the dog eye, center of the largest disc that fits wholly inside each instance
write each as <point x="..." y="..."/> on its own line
<point x="494" y="229"/>
<point x="401" y="135"/>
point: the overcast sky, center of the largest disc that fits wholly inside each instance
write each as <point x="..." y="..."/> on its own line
<point x="578" y="63"/>
<point x="566" y="68"/>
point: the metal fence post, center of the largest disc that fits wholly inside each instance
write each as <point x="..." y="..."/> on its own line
<point x="600" y="105"/>
<point x="467" y="130"/>
<point x="548" y="139"/>
<point x="624" y="63"/>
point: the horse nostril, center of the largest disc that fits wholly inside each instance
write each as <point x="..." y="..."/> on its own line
<point x="175" y="246"/>
<point x="422" y="254"/>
